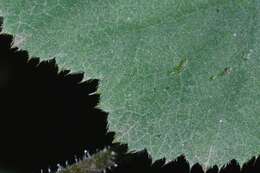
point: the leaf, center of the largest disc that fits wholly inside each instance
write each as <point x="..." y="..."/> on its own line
<point x="133" y="45"/>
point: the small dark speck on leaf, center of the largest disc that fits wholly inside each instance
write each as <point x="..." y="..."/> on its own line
<point x="226" y="71"/>
<point x="158" y="136"/>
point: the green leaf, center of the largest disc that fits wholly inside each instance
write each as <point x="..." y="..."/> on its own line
<point x="176" y="76"/>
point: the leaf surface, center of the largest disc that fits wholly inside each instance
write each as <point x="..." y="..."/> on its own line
<point x="176" y="76"/>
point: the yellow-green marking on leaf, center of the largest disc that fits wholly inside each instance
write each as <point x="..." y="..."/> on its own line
<point x="180" y="67"/>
